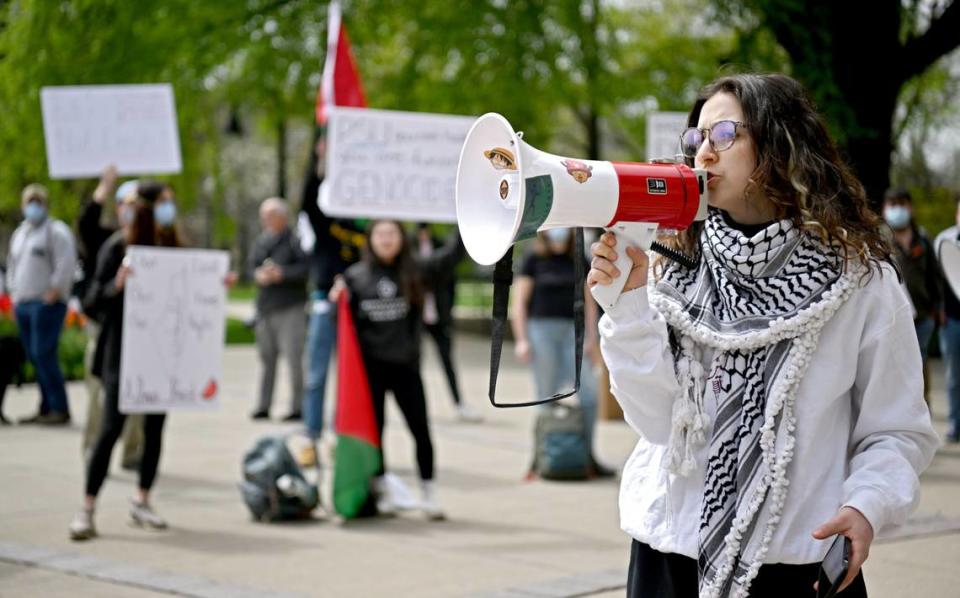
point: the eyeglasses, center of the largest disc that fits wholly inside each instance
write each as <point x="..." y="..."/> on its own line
<point x="721" y="135"/>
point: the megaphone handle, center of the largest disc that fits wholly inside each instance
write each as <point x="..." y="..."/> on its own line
<point x="629" y="234"/>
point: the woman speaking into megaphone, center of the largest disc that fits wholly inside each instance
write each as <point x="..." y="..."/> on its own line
<point x="776" y="387"/>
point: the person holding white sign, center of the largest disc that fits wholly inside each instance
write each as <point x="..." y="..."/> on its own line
<point x="336" y="244"/>
<point x="92" y="236"/>
<point x="153" y="225"/>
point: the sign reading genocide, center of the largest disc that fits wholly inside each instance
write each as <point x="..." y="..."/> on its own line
<point x="388" y="164"/>
<point x="174" y="309"/>
<point x="89" y="127"/>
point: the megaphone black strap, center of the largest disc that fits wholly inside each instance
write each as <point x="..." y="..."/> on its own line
<point x="502" y="279"/>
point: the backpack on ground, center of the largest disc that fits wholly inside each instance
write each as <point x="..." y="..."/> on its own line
<point x="275" y="487"/>
<point x="561" y="450"/>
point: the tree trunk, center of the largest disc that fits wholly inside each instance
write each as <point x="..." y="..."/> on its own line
<point x="855" y="74"/>
<point x="869" y="101"/>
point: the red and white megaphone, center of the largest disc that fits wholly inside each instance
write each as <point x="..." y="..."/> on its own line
<point x="508" y="190"/>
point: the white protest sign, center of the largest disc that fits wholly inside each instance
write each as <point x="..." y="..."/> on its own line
<point x="173" y="325"/>
<point x="388" y="164"/>
<point x="950" y="263"/>
<point x="663" y="134"/>
<point x="88" y="127"/>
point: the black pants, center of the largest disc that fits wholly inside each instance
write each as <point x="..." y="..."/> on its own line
<point x="658" y="575"/>
<point x="110" y="430"/>
<point x="444" y="340"/>
<point x="404" y="382"/>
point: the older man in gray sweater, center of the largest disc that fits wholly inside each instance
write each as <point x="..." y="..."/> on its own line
<point x="40" y="271"/>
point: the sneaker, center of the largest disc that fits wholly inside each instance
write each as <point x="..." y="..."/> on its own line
<point x="466" y="414"/>
<point x="399" y="493"/>
<point x="143" y="515"/>
<point x="429" y="504"/>
<point x="293" y="417"/>
<point x="54" y="418"/>
<point x="262" y="414"/>
<point x="385" y="506"/>
<point x="82" y="528"/>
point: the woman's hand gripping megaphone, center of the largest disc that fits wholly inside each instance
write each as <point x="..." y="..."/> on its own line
<point x="606" y="255"/>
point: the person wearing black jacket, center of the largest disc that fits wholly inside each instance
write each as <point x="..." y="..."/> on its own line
<point x="337" y="243"/>
<point x="438" y="317"/>
<point x="386" y="299"/>
<point x="918" y="264"/>
<point x="104" y="301"/>
<point x="279" y="268"/>
<point x="92" y="235"/>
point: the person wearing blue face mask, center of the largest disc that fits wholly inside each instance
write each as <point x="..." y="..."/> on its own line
<point x="165" y="214"/>
<point x="104" y="301"/>
<point x="917" y="262"/>
<point x="41" y="263"/>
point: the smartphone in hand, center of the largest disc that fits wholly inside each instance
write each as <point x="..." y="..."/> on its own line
<point x="834" y="568"/>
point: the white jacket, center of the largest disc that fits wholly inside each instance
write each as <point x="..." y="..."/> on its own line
<point x="863" y="432"/>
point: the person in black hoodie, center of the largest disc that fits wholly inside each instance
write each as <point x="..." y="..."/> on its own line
<point x="153" y="225"/>
<point x="438" y="303"/>
<point x="386" y="299"/>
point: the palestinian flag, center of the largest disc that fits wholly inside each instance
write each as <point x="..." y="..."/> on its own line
<point x="340" y="85"/>
<point x="357" y="456"/>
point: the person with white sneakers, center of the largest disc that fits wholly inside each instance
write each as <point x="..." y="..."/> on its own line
<point x="153" y="225"/>
<point x="386" y="299"/>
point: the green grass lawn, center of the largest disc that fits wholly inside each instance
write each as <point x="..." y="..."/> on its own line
<point x="242" y="292"/>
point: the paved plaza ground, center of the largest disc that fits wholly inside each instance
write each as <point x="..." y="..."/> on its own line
<point x="504" y="537"/>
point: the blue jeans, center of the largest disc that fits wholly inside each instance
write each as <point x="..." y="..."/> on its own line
<point x="950" y="348"/>
<point x="925" y="328"/>
<point x="552" y="343"/>
<point x="40" y="326"/>
<point x="321" y="335"/>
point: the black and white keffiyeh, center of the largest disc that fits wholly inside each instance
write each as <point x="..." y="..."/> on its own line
<point x="759" y="304"/>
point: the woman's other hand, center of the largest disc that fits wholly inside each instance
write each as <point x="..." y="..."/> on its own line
<point x="852" y="524"/>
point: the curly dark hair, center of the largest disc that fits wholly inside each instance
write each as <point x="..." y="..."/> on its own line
<point x="799" y="168"/>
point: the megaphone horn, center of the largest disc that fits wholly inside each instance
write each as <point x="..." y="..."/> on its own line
<point x="507" y="190"/>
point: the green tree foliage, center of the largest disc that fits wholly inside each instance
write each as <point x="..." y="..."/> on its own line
<point x="578" y="76"/>
<point x="856" y="58"/>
